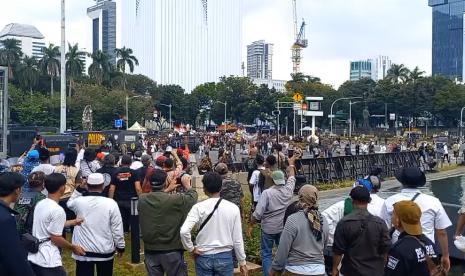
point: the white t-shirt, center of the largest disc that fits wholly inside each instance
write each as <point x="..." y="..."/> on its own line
<point x="47" y="169"/>
<point x="254" y="182"/>
<point x="446" y="149"/>
<point x="49" y="219"/>
<point x="376" y="205"/>
<point x="433" y="215"/>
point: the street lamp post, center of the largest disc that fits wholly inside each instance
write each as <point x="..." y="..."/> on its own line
<point x="169" y="106"/>
<point x="350" y="117"/>
<point x="225" y="105"/>
<point x="461" y="122"/>
<point x="63" y="72"/>
<point x="127" y="109"/>
<point x="332" y="105"/>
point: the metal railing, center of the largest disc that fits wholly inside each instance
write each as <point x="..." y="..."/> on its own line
<point x="345" y="168"/>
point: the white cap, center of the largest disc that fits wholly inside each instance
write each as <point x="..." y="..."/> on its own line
<point x="95" y="179"/>
<point x="169" y="149"/>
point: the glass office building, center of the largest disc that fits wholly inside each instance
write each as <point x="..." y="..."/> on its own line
<point x="360" y="69"/>
<point x="103" y="16"/>
<point x="448" y="47"/>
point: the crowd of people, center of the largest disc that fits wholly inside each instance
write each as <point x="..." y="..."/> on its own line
<point x="89" y="194"/>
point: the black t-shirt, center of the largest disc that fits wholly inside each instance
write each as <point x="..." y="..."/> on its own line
<point x="408" y="256"/>
<point x="141" y="172"/>
<point x="108" y="176"/>
<point x="124" y="180"/>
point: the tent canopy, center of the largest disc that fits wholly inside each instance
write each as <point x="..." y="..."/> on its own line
<point x="137" y="127"/>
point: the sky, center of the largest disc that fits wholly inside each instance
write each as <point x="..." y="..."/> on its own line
<point x="338" y="31"/>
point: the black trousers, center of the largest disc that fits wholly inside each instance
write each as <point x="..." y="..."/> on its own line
<point x="48" y="271"/>
<point x="125" y="210"/>
<point x="104" y="268"/>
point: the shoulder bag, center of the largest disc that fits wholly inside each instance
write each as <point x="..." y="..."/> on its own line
<point x="209" y="216"/>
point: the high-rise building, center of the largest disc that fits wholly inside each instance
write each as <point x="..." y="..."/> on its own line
<point x="278" y="85"/>
<point x="103" y="15"/>
<point x="448" y="46"/>
<point x="32" y="41"/>
<point x="184" y="42"/>
<point x="360" y="69"/>
<point x="379" y="67"/>
<point x="376" y="68"/>
<point x="260" y="60"/>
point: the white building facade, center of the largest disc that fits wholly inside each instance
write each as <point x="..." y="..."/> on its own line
<point x="279" y="85"/>
<point x="183" y="42"/>
<point x="260" y="60"/>
<point x="32" y="41"/>
<point x="375" y="68"/>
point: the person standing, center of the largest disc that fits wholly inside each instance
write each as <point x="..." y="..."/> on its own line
<point x="108" y="171"/>
<point x="219" y="232"/>
<point x="413" y="252"/>
<point x="73" y="179"/>
<point x="231" y="189"/>
<point x="361" y="240"/>
<point x="434" y="219"/>
<point x="123" y="188"/>
<point x="45" y="167"/>
<point x="88" y="164"/>
<point x="254" y="179"/>
<point x="49" y="221"/>
<point x="270" y="211"/>
<point x="13" y="257"/>
<point x="161" y="216"/>
<point x="102" y="233"/>
<point x="27" y="201"/>
<point x="300" y="250"/>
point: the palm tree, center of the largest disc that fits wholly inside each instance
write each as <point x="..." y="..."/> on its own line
<point x="124" y="56"/>
<point x="100" y="66"/>
<point x="74" y="64"/>
<point x="398" y="73"/>
<point x="416" y="74"/>
<point x="50" y="63"/>
<point x="28" y="72"/>
<point x="10" y="53"/>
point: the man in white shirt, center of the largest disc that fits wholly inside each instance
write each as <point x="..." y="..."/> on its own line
<point x="220" y="232"/>
<point x="434" y="219"/>
<point x="102" y="233"/>
<point x="48" y="224"/>
<point x="45" y="167"/>
<point x="254" y="179"/>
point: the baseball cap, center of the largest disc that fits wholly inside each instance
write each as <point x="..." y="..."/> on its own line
<point x="95" y="179"/>
<point x="278" y="178"/>
<point x="157" y="179"/>
<point x="221" y="168"/>
<point x="409" y="215"/>
<point x="360" y="193"/>
<point x="100" y="155"/>
<point x="33" y="154"/>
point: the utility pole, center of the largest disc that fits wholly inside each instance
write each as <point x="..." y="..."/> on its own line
<point x="63" y="72"/>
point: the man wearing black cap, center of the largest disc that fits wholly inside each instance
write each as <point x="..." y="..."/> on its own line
<point x="13" y="258"/>
<point x="161" y="216"/>
<point x="361" y="238"/>
<point x="434" y="219"/>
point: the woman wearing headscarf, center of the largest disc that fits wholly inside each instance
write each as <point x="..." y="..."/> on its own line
<point x="300" y="250"/>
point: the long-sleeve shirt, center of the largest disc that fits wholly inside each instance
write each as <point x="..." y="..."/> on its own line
<point x="272" y="206"/>
<point x="222" y="233"/>
<point x="298" y="245"/>
<point x="13" y="258"/>
<point x="102" y="230"/>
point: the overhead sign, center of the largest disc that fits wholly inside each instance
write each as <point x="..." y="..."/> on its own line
<point x="95" y="138"/>
<point x="119" y="123"/>
<point x="297" y="106"/>
<point x="310" y="113"/>
<point x="297" y="97"/>
<point x="315" y="106"/>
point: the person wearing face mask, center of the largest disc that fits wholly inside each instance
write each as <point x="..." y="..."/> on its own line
<point x="13" y="257"/>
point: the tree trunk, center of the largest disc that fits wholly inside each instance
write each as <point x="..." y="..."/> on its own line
<point x="124" y="81"/>
<point x="51" y="86"/>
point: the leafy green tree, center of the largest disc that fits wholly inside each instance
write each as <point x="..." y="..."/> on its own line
<point x="10" y="54"/>
<point x="28" y="73"/>
<point x="398" y="73"/>
<point x="100" y="67"/>
<point x="74" y="64"/>
<point x="416" y="74"/>
<point x="50" y="63"/>
<point x="140" y="84"/>
<point x="125" y="56"/>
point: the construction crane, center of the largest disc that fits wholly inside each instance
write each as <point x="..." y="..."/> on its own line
<point x="299" y="41"/>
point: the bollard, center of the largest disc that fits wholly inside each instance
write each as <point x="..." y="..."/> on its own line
<point x="135" y="232"/>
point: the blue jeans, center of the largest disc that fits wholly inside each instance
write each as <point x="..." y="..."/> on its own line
<point x="220" y="264"/>
<point x="267" y="242"/>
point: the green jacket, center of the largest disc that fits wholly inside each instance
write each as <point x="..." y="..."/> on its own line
<point x="161" y="216"/>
